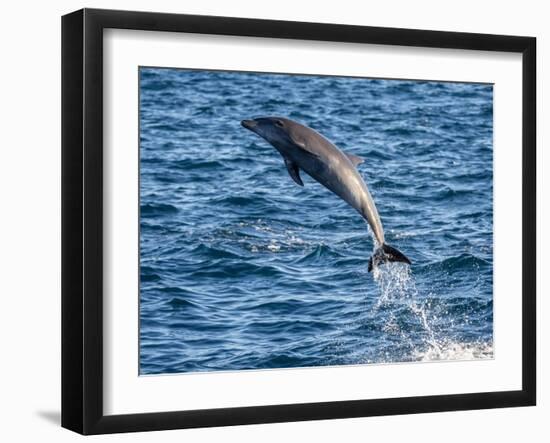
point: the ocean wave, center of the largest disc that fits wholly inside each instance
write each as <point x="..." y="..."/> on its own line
<point x="191" y="164"/>
<point x="458" y="262"/>
<point x="405" y="131"/>
<point x="240" y="201"/>
<point x="180" y="303"/>
<point x="291" y="306"/>
<point x="448" y="193"/>
<point x="156" y="209"/>
<point x="376" y="154"/>
<point x="289" y="327"/>
<point x="149" y="277"/>
<point x="235" y="270"/>
<point x="148" y="274"/>
<point x="213" y="252"/>
<point x="157" y="85"/>
<point x="321" y="252"/>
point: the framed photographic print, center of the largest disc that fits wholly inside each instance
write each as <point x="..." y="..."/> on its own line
<point x="269" y="221"/>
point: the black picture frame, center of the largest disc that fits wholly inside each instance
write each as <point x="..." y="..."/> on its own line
<point x="82" y="218"/>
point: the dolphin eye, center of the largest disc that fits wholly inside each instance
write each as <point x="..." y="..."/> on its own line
<point x="279" y="123"/>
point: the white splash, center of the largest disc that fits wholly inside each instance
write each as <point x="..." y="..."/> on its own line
<point x="273" y="246"/>
<point x="397" y="288"/>
<point x="450" y="350"/>
<point x="395" y="283"/>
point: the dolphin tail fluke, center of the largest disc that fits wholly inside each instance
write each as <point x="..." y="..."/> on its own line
<point x="385" y="254"/>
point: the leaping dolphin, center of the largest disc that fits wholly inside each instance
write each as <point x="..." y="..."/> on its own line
<point x="303" y="148"/>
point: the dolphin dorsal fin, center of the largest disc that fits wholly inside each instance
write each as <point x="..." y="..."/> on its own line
<point x="354" y="159"/>
<point x="294" y="171"/>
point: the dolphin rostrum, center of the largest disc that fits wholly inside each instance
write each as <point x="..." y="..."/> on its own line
<point x="302" y="148"/>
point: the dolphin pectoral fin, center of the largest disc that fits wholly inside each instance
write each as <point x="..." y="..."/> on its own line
<point x="354" y="159"/>
<point x="294" y="171"/>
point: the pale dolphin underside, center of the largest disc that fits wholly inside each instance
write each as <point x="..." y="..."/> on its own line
<point x="304" y="149"/>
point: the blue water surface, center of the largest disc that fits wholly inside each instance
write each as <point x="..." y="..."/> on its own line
<point x="240" y="268"/>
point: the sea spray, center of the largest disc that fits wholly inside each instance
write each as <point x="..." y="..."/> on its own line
<point x="425" y="342"/>
<point x="398" y="288"/>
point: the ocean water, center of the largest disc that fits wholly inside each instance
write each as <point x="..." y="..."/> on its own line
<point x="240" y="268"/>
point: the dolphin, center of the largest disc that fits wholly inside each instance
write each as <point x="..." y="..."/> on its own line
<point x="304" y="149"/>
